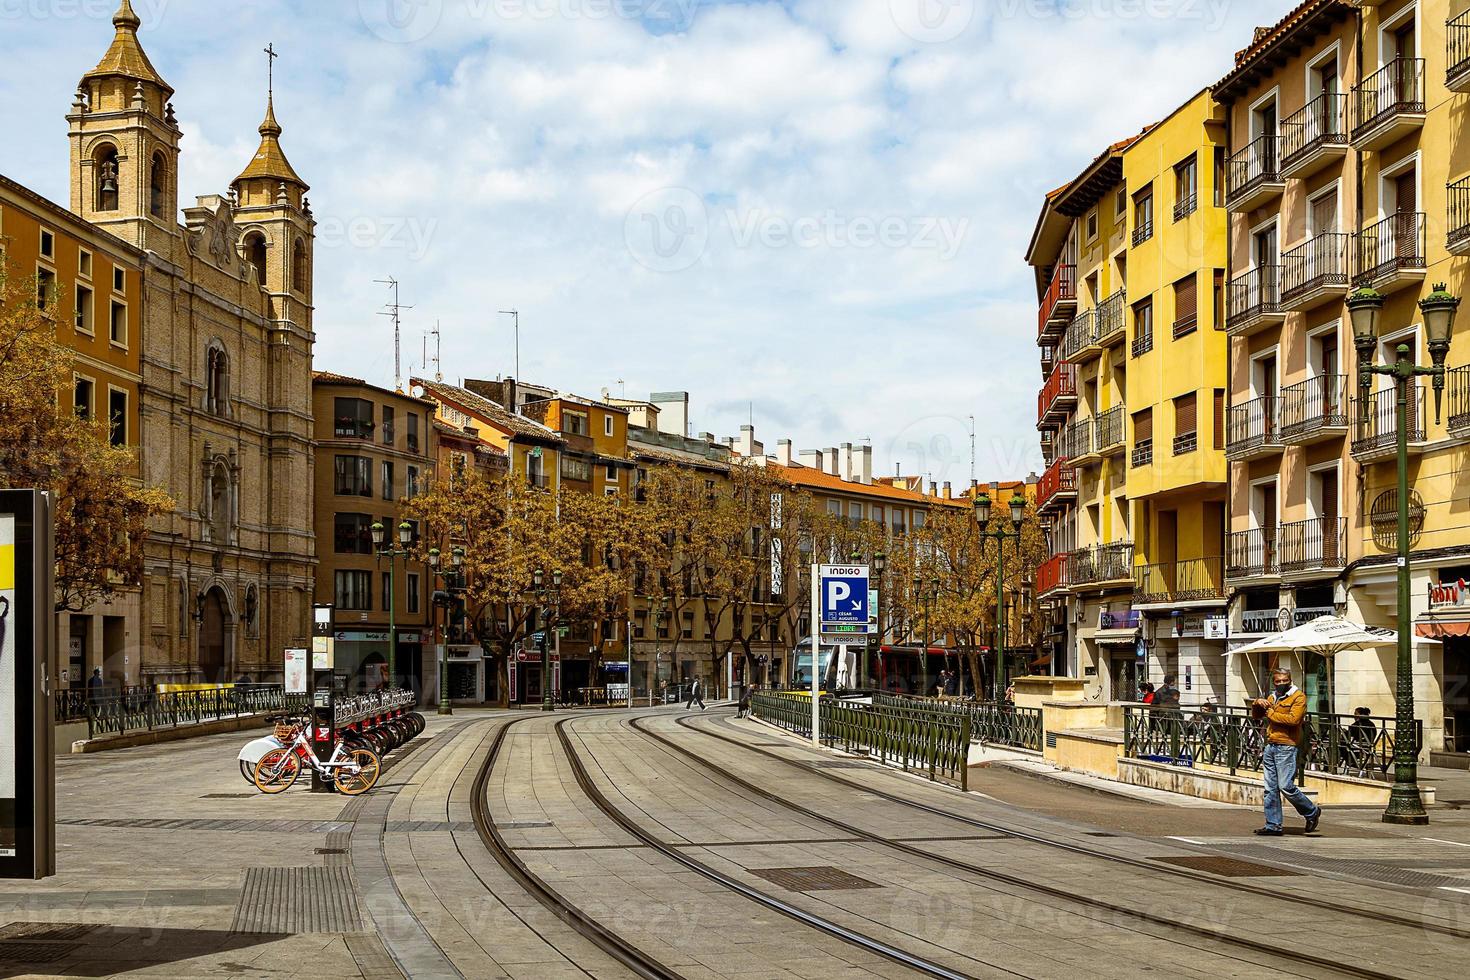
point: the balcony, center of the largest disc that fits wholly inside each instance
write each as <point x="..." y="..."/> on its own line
<point x="1457" y="379"/>
<point x="1254" y="301"/>
<point x="1316" y="272"/>
<point x="1112" y="321"/>
<point x="1194" y="582"/>
<point x="1051" y="576"/>
<point x="1391" y="252"/>
<point x="1251" y="554"/>
<point x="351" y="428"/>
<point x="1059" y="304"/>
<point x="1079" y="343"/>
<point x="1074" y="441"/>
<point x="1143" y="454"/>
<point x="1252" y="175"/>
<point x="1457" y="217"/>
<point x="1048" y="361"/>
<point x="1313" y="548"/>
<point x="1101" y="566"/>
<point x="1315" y="137"/>
<point x="1389" y="105"/>
<point x="1457" y="48"/>
<point x="1251" y="431"/>
<point x="1109" y="432"/>
<point x="1375" y="434"/>
<point x="1143" y="231"/>
<point x="1058" y="397"/>
<point x="1049" y="447"/>
<point x="1315" y="410"/>
<point x="1057" y="486"/>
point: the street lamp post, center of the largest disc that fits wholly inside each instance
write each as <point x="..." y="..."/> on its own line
<point x="545" y="597"/>
<point x="880" y="565"/>
<point x="452" y="581"/>
<point x="1001" y="535"/>
<point x="405" y="538"/>
<point x="928" y="599"/>
<point x="1404" y="803"/>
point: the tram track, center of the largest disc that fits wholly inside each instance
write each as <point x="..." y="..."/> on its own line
<point x="1272" y="950"/>
<point x="1142" y="864"/>
<point x="836" y="930"/>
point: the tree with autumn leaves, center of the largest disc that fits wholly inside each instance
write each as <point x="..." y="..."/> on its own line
<point x="101" y="509"/>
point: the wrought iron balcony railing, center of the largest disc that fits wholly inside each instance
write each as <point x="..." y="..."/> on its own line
<point x="1320" y="123"/>
<point x="1253" y="295"/>
<point x="1251" y="427"/>
<point x="1252" y="553"/>
<point x="1109" y="429"/>
<point x="1395" y="89"/>
<point x="1253" y="167"/>
<point x="1319" y="543"/>
<point x="1112" y="318"/>
<point x="1101" y="563"/>
<point x="1391" y="246"/>
<point x="1313" y="405"/>
<point x="1191" y="580"/>
<point x="1319" y="263"/>
<point x="1375" y="432"/>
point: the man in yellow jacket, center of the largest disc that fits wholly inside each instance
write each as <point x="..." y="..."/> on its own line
<point x="1285" y="712"/>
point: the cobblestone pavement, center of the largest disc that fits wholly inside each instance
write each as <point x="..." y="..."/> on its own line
<point x="171" y="865"/>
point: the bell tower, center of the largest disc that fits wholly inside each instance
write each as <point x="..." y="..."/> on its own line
<point x="277" y="230"/>
<point x="125" y="143"/>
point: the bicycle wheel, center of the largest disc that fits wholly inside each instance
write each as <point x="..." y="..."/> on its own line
<point x="358" y="774"/>
<point x="247" y="769"/>
<point x="277" y="770"/>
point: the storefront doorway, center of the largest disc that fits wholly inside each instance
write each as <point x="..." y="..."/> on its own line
<point x="1123" y="676"/>
<point x="1457" y="693"/>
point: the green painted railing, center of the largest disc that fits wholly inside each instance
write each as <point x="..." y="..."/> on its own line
<point x="989" y="723"/>
<point x="913" y="736"/>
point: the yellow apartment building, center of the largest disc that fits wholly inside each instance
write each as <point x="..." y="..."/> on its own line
<point x="1347" y="169"/>
<point x="1175" y="393"/>
<point x="90" y="284"/>
<point x="1079" y="253"/>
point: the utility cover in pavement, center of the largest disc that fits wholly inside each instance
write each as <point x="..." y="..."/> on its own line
<point x="1229" y="867"/>
<point x="820" y="879"/>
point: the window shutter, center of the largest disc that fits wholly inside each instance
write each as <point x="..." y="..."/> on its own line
<point x="1186" y="301"/>
<point x="1219" y="418"/>
<point x="1143" y="426"/>
<point x="1185" y="415"/>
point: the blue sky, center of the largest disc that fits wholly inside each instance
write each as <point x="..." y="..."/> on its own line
<point x="815" y="212"/>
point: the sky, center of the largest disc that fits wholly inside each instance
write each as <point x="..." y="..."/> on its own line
<point x="809" y="214"/>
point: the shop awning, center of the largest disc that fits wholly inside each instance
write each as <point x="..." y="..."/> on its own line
<point x="1116" y="638"/>
<point x="1435" y="627"/>
<point x="1042" y="661"/>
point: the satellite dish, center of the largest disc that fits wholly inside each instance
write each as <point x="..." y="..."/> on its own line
<point x="417" y="391"/>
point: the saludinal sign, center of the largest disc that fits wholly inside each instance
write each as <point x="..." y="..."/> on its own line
<point x="1448" y="594"/>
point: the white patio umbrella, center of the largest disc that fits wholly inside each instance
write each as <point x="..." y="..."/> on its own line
<point x="1327" y="636"/>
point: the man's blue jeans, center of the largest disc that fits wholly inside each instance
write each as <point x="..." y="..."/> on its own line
<point x="1280" y="763"/>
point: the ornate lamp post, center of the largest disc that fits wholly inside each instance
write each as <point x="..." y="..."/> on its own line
<point x="405" y="538"/>
<point x="452" y="583"/>
<point x="927" y="598"/>
<point x="1404" y="803"/>
<point x="1001" y="535"/>
<point x="546" y="598"/>
<point x="880" y="565"/>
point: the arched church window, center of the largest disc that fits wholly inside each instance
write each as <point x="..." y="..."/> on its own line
<point x="255" y="254"/>
<point x="105" y="165"/>
<point x="157" y="186"/>
<point x="298" y="266"/>
<point x="220" y="517"/>
<point x="217" y="381"/>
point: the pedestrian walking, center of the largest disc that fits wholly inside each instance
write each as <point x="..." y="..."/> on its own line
<point x="94" y="684"/>
<point x="743" y="708"/>
<point x="1166" y="696"/>
<point x="1285" y="710"/>
<point x="696" y="695"/>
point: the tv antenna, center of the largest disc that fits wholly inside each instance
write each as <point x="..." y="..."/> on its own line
<point x="392" y="310"/>
<point x="438" y="365"/>
<point x="517" y="315"/>
<point x="972" y="450"/>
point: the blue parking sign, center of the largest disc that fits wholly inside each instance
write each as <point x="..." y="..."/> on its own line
<point x="844" y="595"/>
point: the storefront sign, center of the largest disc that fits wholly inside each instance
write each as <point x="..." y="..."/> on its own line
<point x="27" y="740"/>
<point x="1260" y="620"/>
<point x="1126" y="619"/>
<point x="1189" y="626"/>
<point x="1449" y="594"/>
<point x="1305" y="614"/>
<point x="1216" y="628"/>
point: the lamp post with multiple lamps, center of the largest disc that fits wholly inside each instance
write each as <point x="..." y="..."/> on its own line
<point x="452" y="582"/>
<point x="1001" y="535"/>
<point x="1404" y="803"/>
<point x="547" y="600"/>
<point x="405" y="538"/>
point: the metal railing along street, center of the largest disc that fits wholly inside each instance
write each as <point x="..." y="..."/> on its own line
<point x="990" y="723"/>
<point x="146" y="710"/>
<point x="915" y="737"/>
<point x="1229" y="740"/>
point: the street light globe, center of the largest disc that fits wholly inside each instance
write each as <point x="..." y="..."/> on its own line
<point x="536" y="578"/>
<point x="405" y="534"/>
<point x="457" y="556"/>
<point x="1364" y="305"/>
<point x="556" y="580"/>
<point x="1439" y="309"/>
<point x="1018" y="509"/>
<point x="377" y="530"/>
<point x="982" y="509"/>
<point x="433" y="557"/>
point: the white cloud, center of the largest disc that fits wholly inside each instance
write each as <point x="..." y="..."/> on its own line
<point x="490" y="152"/>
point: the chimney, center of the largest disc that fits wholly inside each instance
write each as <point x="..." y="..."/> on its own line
<point x="673" y="412"/>
<point x="745" y="443"/>
<point x="995" y="490"/>
<point x="829" y="461"/>
<point x="708" y="437"/>
<point x="844" y="463"/>
<point x="783" y="452"/>
<point x="933" y="489"/>
<point x="948" y="491"/>
<point x="811" y="458"/>
<point x="865" y="466"/>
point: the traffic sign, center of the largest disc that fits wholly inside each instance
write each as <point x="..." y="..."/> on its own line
<point x="844" y="596"/>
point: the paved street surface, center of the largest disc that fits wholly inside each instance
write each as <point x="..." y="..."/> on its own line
<point x="500" y="845"/>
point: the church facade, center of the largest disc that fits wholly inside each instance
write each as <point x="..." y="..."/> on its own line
<point x="226" y="409"/>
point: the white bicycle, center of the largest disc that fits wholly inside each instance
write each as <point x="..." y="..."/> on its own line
<point x="353" y="770"/>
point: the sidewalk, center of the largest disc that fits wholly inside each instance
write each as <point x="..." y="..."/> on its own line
<point x="1030" y="764"/>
